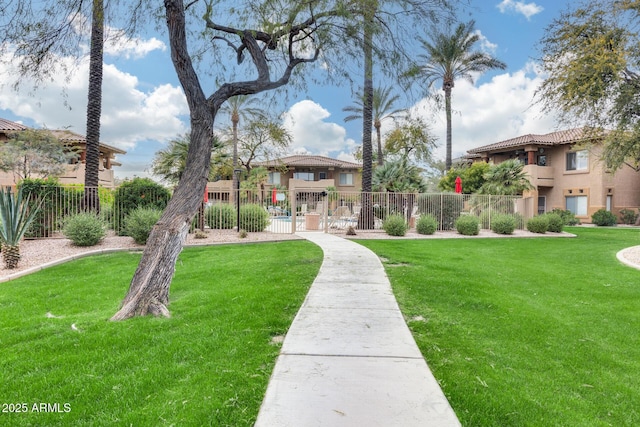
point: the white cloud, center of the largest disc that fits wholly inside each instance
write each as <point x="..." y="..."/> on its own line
<point x="485" y="44"/>
<point x="526" y="9"/>
<point x="132" y="48"/>
<point x="313" y="135"/>
<point x="117" y="42"/>
<point x="495" y="111"/>
<point x="129" y="115"/>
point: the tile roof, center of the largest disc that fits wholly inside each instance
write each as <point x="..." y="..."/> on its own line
<point x="64" y="135"/>
<point x="307" y="160"/>
<point x="8" y="125"/>
<point x="555" y="138"/>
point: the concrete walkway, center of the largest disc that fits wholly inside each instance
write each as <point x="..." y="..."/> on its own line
<point x="349" y="358"/>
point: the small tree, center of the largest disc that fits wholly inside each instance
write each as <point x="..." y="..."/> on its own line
<point x="16" y="218"/>
<point x="35" y="152"/>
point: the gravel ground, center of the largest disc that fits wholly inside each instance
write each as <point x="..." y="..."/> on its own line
<point x="36" y="253"/>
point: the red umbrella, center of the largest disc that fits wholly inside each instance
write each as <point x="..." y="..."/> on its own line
<point x="458" y="185"/>
<point x="274" y="198"/>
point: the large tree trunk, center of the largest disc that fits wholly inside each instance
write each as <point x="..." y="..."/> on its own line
<point x="366" y="220"/>
<point x="447" y="107"/>
<point x="378" y="125"/>
<point x="149" y="289"/>
<point x="94" y="110"/>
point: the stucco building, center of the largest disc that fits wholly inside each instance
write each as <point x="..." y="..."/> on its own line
<point x="566" y="171"/>
<point x="75" y="171"/>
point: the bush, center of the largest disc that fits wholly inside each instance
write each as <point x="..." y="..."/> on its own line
<point x="444" y="207"/>
<point x="538" y="224"/>
<point x="556" y="223"/>
<point x="503" y="224"/>
<point x="137" y="193"/>
<point x="395" y="225"/>
<point x="221" y="216"/>
<point x="46" y="194"/>
<point x="253" y="218"/>
<point x="84" y="229"/>
<point x="628" y="216"/>
<point x="468" y="225"/>
<point x="427" y="224"/>
<point x="604" y="218"/>
<point x="140" y="222"/>
<point x="568" y="218"/>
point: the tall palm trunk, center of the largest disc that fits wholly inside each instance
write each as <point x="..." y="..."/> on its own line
<point x="94" y="109"/>
<point x="366" y="220"/>
<point x="447" y="106"/>
<point x="378" y="125"/>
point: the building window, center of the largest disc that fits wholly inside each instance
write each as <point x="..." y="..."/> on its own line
<point x="274" y="178"/>
<point x="577" y="160"/>
<point x="542" y="160"/>
<point x="542" y="204"/>
<point x="577" y="205"/>
<point x="305" y="176"/>
<point x="322" y="175"/>
<point x="346" y="179"/>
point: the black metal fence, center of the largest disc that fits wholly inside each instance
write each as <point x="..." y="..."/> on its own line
<point x="281" y="212"/>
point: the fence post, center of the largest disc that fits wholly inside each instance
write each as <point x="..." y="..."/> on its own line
<point x="294" y="211"/>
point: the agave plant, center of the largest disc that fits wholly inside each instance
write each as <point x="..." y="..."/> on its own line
<point x="16" y="216"/>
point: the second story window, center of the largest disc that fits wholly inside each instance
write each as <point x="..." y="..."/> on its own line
<point x="274" y="178"/>
<point x="305" y="176"/>
<point x="346" y="179"/>
<point x="577" y="160"/>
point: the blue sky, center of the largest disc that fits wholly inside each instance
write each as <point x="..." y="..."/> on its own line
<point x="144" y="107"/>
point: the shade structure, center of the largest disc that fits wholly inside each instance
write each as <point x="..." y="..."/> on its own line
<point x="458" y="185"/>
<point x="274" y="196"/>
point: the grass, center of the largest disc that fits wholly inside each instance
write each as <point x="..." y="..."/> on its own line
<point x="526" y="332"/>
<point x="208" y="364"/>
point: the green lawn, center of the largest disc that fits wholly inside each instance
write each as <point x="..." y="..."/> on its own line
<point x="208" y="364"/>
<point x="526" y="332"/>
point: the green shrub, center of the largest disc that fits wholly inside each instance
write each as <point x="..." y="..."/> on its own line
<point x="556" y="223"/>
<point x="426" y="224"/>
<point x="395" y="225"/>
<point x="538" y="224"/>
<point x="468" y="225"/>
<point x="221" y="216"/>
<point x="138" y="224"/>
<point x="604" y="218"/>
<point x="567" y="216"/>
<point x="253" y="218"/>
<point x="446" y="208"/>
<point x="84" y="229"/>
<point x="137" y="193"/>
<point x="628" y="216"/>
<point x="503" y="224"/>
<point x="46" y="194"/>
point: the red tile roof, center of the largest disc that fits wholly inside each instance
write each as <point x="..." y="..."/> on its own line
<point x="555" y="138"/>
<point x="63" y="135"/>
<point x="8" y="125"/>
<point x="307" y="160"/>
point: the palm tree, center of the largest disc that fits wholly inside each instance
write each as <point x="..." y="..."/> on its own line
<point x="506" y="178"/>
<point x="382" y="108"/>
<point x="239" y="107"/>
<point x="94" y="109"/>
<point x="170" y="162"/>
<point x="450" y="56"/>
